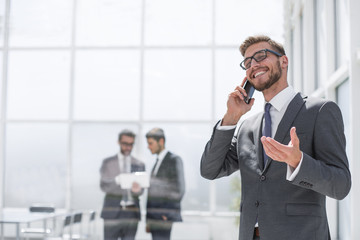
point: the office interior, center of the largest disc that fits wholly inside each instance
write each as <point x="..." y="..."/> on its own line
<point x="74" y="73"/>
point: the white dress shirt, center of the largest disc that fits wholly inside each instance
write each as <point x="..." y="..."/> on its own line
<point x="124" y="163"/>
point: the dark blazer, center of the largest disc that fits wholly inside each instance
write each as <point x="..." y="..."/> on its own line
<point x="284" y="209"/>
<point x="114" y="194"/>
<point x="166" y="190"/>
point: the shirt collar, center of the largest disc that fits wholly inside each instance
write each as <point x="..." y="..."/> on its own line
<point x="162" y="154"/>
<point x="121" y="156"/>
<point x="282" y="99"/>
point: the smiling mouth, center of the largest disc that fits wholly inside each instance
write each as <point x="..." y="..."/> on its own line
<point x="258" y="74"/>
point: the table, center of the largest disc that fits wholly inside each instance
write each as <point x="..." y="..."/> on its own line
<point x="24" y="216"/>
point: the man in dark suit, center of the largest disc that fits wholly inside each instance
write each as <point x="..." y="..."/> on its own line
<point x="121" y="210"/>
<point x="167" y="187"/>
<point x="290" y="157"/>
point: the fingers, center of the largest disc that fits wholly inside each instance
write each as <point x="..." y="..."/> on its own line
<point x="236" y="94"/>
<point x="135" y="187"/>
<point x="243" y="81"/>
<point x="289" y="154"/>
<point x="274" y="149"/>
<point x="239" y="92"/>
<point x="294" y="138"/>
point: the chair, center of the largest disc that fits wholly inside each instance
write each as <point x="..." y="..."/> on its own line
<point x="91" y="224"/>
<point x="78" y="223"/>
<point x="76" y="230"/>
<point x="65" y="231"/>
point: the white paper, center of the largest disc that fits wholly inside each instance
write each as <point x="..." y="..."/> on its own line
<point x="126" y="179"/>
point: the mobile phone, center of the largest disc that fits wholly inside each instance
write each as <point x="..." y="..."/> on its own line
<point x="249" y="88"/>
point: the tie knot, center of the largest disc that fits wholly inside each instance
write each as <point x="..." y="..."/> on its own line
<point x="267" y="107"/>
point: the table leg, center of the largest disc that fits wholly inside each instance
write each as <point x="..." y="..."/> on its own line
<point x="17" y="231"/>
<point x="2" y="231"/>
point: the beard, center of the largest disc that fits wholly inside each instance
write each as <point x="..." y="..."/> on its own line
<point x="125" y="152"/>
<point x="274" y="76"/>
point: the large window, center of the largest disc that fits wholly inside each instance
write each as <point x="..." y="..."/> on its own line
<point x="321" y="42"/>
<point x="342" y="33"/>
<point x="343" y="99"/>
<point x="336" y="74"/>
<point x="78" y="72"/>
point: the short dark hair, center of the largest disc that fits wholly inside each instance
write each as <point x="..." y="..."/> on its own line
<point x="261" y="38"/>
<point x="126" y="132"/>
<point x="156" y="133"/>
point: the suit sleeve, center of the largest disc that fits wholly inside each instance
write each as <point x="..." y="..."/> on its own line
<point x="173" y="186"/>
<point x="177" y="184"/>
<point x="327" y="172"/>
<point x="107" y="181"/>
<point x="219" y="157"/>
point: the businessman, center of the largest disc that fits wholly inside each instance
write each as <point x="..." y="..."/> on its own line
<point x="121" y="211"/>
<point x="291" y="156"/>
<point x="167" y="188"/>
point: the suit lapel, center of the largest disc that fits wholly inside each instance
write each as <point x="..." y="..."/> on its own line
<point x="288" y="118"/>
<point x="162" y="163"/>
<point x="257" y="136"/>
<point x="287" y="121"/>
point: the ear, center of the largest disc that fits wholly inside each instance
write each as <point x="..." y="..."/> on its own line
<point x="284" y="62"/>
<point x="161" y="141"/>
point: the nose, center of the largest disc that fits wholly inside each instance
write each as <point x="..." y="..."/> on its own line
<point x="253" y="63"/>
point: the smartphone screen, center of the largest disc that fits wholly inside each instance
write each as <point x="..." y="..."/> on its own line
<point x="249" y="90"/>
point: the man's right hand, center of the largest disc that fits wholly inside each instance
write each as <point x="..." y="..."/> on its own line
<point x="236" y="106"/>
<point x="147" y="228"/>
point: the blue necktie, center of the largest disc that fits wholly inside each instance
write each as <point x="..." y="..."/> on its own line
<point x="267" y="128"/>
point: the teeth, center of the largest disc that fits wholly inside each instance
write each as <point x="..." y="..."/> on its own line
<point x="258" y="73"/>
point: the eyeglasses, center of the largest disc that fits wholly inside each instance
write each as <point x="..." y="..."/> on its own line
<point x="258" y="57"/>
<point x="128" y="144"/>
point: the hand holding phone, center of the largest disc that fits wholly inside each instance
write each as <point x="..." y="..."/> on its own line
<point x="249" y="88"/>
<point x="235" y="107"/>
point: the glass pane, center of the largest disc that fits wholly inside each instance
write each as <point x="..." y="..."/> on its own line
<point x="36" y="164"/>
<point x="41" y="89"/>
<point x="321" y="41"/>
<point x="1" y="82"/>
<point x="178" y="22"/>
<point x="2" y="22"/>
<point x="50" y="23"/>
<point x="228" y="75"/>
<point x="109" y="22"/>
<point x="90" y="152"/>
<point x="107" y="85"/>
<point x="228" y="193"/>
<point x="234" y="23"/>
<point x="344" y="221"/>
<point x="342" y="32"/>
<point x="187" y="141"/>
<point x="177" y="85"/>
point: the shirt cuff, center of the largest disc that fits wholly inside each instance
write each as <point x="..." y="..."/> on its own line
<point x="219" y="127"/>
<point x="291" y="172"/>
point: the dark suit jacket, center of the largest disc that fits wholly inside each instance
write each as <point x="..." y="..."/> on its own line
<point x="166" y="190"/>
<point x="114" y="193"/>
<point x="284" y="209"/>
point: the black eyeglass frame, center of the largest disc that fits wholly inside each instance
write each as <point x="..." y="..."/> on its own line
<point x="127" y="144"/>
<point x="252" y="57"/>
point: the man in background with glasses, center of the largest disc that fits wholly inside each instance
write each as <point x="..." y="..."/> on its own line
<point x="121" y="210"/>
<point x="290" y="157"/>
